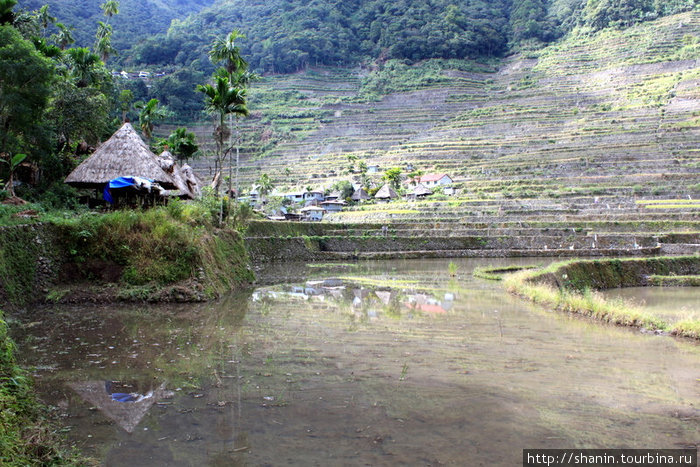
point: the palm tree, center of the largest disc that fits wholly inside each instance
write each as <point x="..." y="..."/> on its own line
<point x="110" y="8"/>
<point x="45" y="19"/>
<point x="103" y="46"/>
<point x="63" y="38"/>
<point x="103" y="30"/>
<point x="265" y="186"/>
<point x="221" y="100"/>
<point x="226" y="50"/>
<point x="183" y="143"/>
<point x="150" y="113"/>
<point x="126" y="97"/>
<point x="83" y="64"/>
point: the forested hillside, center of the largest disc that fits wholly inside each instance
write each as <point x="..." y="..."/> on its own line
<point x="288" y="35"/>
<point x="136" y="20"/>
<point x="609" y="112"/>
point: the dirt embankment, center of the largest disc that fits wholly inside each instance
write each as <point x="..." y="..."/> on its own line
<point x="611" y="273"/>
<point x="91" y="263"/>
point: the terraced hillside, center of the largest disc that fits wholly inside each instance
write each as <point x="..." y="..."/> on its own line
<point x="571" y="139"/>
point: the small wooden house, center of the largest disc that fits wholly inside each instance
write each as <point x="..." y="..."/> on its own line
<point x="313" y="213"/>
<point x="313" y="195"/>
<point x="420" y="191"/>
<point x="333" y="205"/>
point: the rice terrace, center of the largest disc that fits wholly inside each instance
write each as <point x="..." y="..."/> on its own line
<point x="289" y="232"/>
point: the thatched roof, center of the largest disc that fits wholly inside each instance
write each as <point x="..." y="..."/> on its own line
<point x="386" y="192"/>
<point x="193" y="182"/>
<point x="184" y="180"/>
<point x="360" y="194"/>
<point x="123" y="155"/>
<point x="421" y="190"/>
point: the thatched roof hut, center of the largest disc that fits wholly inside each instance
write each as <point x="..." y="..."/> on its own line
<point x="421" y="191"/>
<point x="386" y="193"/>
<point x="123" y="155"/>
<point x="360" y="194"/>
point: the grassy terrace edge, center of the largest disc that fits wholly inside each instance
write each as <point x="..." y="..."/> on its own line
<point x="569" y="286"/>
<point x="165" y="254"/>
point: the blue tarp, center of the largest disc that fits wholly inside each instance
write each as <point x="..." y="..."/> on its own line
<point x="120" y="182"/>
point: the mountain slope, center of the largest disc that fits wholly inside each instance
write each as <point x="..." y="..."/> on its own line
<point x="587" y="147"/>
<point x="137" y="19"/>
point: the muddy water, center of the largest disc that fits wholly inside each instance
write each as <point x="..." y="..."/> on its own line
<point x="672" y="304"/>
<point x="385" y="363"/>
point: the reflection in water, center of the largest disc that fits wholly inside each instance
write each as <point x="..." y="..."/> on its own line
<point x="390" y="363"/>
<point x="125" y="409"/>
<point x="367" y="301"/>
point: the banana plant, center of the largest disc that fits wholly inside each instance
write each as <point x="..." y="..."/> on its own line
<point x="12" y="163"/>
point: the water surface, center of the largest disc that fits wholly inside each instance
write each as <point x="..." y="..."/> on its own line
<point x="672" y="304"/>
<point x="381" y="363"/>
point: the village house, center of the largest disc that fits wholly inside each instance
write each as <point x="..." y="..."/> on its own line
<point x="313" y="196"/>
<point x="333" y="205"/>
<point x="295" y="197"/>
<point x="434" y="179"/>
<point x="333" y="195"/>
<point x="420" y="191"/>
<point x="312" y="213"/>
<point x="360" y="195"/>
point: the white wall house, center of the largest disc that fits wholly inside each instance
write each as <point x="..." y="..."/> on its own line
<point x="431" y="180"/>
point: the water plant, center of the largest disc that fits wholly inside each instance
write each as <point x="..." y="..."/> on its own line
<point x="452" y="269"/>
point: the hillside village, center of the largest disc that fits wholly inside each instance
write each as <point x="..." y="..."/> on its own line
<point x="315" y="204"/>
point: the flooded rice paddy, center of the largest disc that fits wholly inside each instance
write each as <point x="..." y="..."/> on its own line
<point x="376" y="363"/>
<point x="671" y="304"/>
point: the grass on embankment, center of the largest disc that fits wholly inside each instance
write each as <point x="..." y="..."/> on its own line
<point x="25" y="435"/>
<point x="496" y="273"/>
<point x="161" y="254"/>
<point x="553" y="287"/>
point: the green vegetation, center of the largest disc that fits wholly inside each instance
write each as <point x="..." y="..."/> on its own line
<point x="26" y="437"/>
<point x="569" y="286"/>
<point x="135" y="20"/>
<point x="671" y="281"/>
<point x="496" y="273"/>
<point x="145" y="254"/>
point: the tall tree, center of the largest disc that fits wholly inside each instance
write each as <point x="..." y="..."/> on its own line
<point x="226" y="50"/>
<point x="183" y="144"/>
<point x="149" y="114"/>
<point x="265" y="186"/>
<point x="222" y="100"/>
<point x="110" y="8"/>
<point x="7" y="16"/>
<point x="45" y="19"/>
<point x="63" y="38"/>
<point x="25" y="86"/>
<point x="83" y="66"/>
<point x="104" y="48"/>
